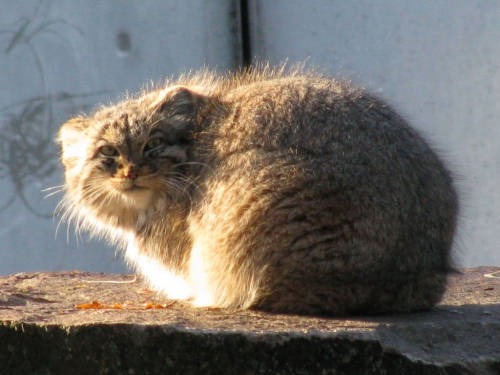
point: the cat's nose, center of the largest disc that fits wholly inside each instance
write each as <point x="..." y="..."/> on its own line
<point x="130" y="172"/>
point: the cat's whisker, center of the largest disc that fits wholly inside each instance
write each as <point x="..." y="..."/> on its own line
<point x="58" y="187"/>
<point x="106" y="200"/>
<point x="79" y="226"/>
<point x="53" y="193"/>
<point x="179" y="174"/>
<point x="65" y="209"/>
<point x="191" y="163"/>
<point x="53" y="190"/>
<point x="71" y="224"/>
<point x="67" y="217"/>
<point x="181" y="188"/>
<point x="60" y="207"/>
<point x="93" y="193"/>
<point x="92" y="196"/>
<point x="60" y="221"/>
<point x="186" y="182"/>
<point x="72" y="216"/>
<point x="172" y="183"/>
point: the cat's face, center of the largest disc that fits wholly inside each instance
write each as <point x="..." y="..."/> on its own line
<point x="129" y="158"/>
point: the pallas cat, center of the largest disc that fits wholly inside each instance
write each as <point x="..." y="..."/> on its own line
<point x="285" y="191"/>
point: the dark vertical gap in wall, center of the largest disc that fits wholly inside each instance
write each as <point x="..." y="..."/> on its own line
<point x="246" y="44"/>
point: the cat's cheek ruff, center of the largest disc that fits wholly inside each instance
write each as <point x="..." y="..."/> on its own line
<point x="86" y="215"/>
<point x="86" y="219"/>
<point x="75" y="156"/>
<point x="76" y="171"/>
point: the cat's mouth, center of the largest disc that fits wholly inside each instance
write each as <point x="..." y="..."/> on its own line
<point x="133" y="194"/>
<point x="133" y="188"/>
<point x="128" y="186"/>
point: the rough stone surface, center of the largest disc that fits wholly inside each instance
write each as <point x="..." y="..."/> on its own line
<point x="43" y="332"/>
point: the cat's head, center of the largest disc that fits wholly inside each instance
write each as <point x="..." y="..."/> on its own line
<point x="131" y="157"/>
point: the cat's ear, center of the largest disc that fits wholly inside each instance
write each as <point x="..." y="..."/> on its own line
<point x="71" y="130"/>
<point x="178" y="103"/>
<point x="71" y="138"/>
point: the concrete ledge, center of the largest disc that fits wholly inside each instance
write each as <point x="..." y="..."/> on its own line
<point x="43" y="332"/>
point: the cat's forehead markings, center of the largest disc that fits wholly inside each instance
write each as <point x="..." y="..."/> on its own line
<point x="112" y="131"/>
<point x="125" y="131"/>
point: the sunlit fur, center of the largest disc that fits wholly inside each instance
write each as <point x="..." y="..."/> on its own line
<point x="280" y="190"/>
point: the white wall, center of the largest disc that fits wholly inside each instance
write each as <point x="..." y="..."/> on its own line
<point x="437" y="61"/>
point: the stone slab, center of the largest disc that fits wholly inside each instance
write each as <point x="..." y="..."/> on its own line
<point x="122" y="327"/>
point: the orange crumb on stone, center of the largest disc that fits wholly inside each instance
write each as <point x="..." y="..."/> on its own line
<point x="93" y="305"/>
<point x="119" y="306"/>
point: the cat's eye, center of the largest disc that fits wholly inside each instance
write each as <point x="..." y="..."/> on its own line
<point x="108" y="151"/>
